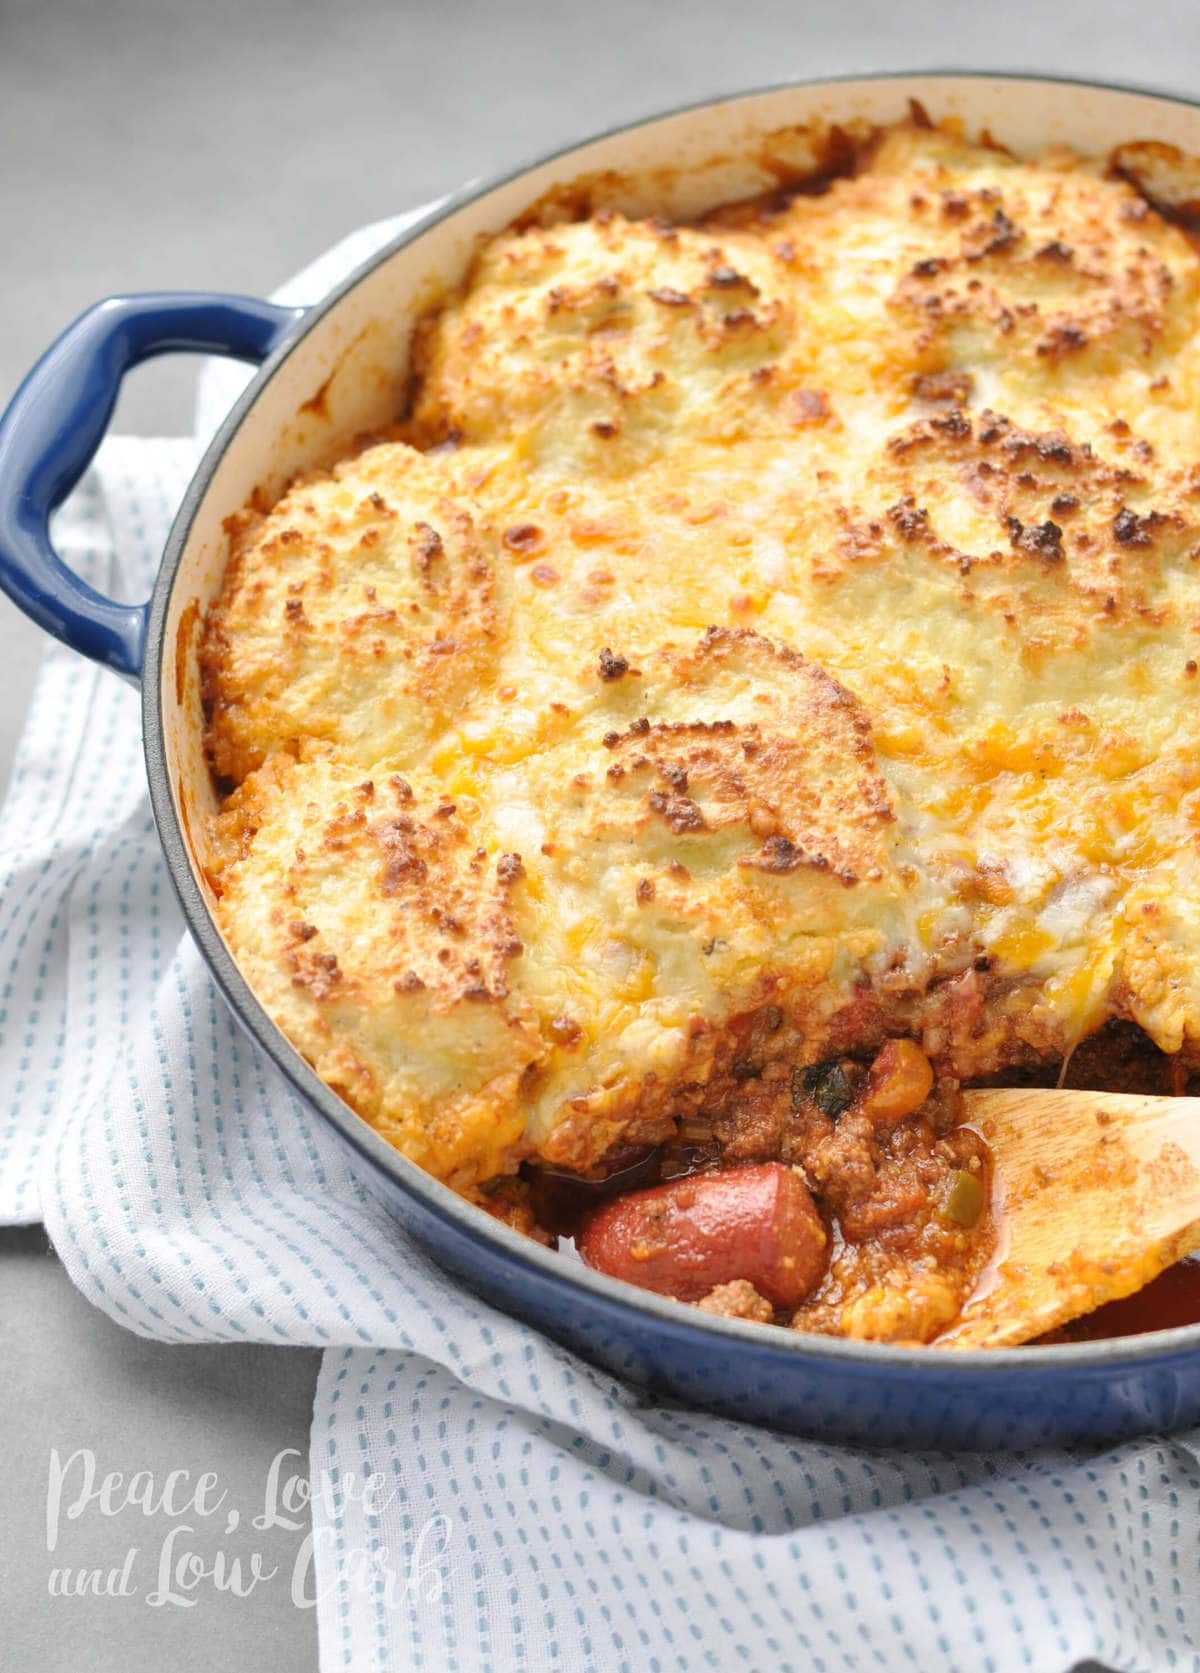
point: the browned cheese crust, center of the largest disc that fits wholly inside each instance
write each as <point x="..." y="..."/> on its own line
<point x="767" y="636"/>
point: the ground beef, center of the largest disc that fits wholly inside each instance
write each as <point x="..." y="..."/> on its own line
<point x="738" y="1300"/>
<point x="901" y="1266"/>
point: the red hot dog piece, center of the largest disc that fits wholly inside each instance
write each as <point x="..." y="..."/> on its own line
<point x="685" y="1238"/>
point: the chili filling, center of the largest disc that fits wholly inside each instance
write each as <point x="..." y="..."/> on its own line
<point x="843" y="1197"/>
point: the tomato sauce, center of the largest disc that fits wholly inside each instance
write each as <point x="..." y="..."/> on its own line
<point x="1172" y="1299"/>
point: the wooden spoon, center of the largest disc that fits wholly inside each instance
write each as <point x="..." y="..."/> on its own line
<point x="1095" y="1193"/>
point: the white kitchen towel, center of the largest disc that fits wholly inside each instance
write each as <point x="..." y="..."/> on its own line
<point x="482" y="1499"/>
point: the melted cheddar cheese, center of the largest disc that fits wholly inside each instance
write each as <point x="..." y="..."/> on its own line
<point x="796" y="611"/>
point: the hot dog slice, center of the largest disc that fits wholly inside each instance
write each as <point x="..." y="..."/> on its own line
<point x="683" y="1239"/>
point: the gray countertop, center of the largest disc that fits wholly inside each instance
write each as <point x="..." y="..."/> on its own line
<point x="158" y="144"/>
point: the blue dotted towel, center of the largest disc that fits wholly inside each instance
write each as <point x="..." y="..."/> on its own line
<point x="482" y="1499"/>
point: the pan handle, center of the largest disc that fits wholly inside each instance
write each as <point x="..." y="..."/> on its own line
<point x="57" y="420"/>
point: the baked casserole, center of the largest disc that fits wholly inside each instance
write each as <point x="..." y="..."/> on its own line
<point x="751" y="693"/>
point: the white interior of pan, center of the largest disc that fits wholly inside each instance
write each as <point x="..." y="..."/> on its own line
<point x="349" y="374"/>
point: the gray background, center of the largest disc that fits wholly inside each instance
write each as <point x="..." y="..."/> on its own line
<point x="221" y="145"/>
